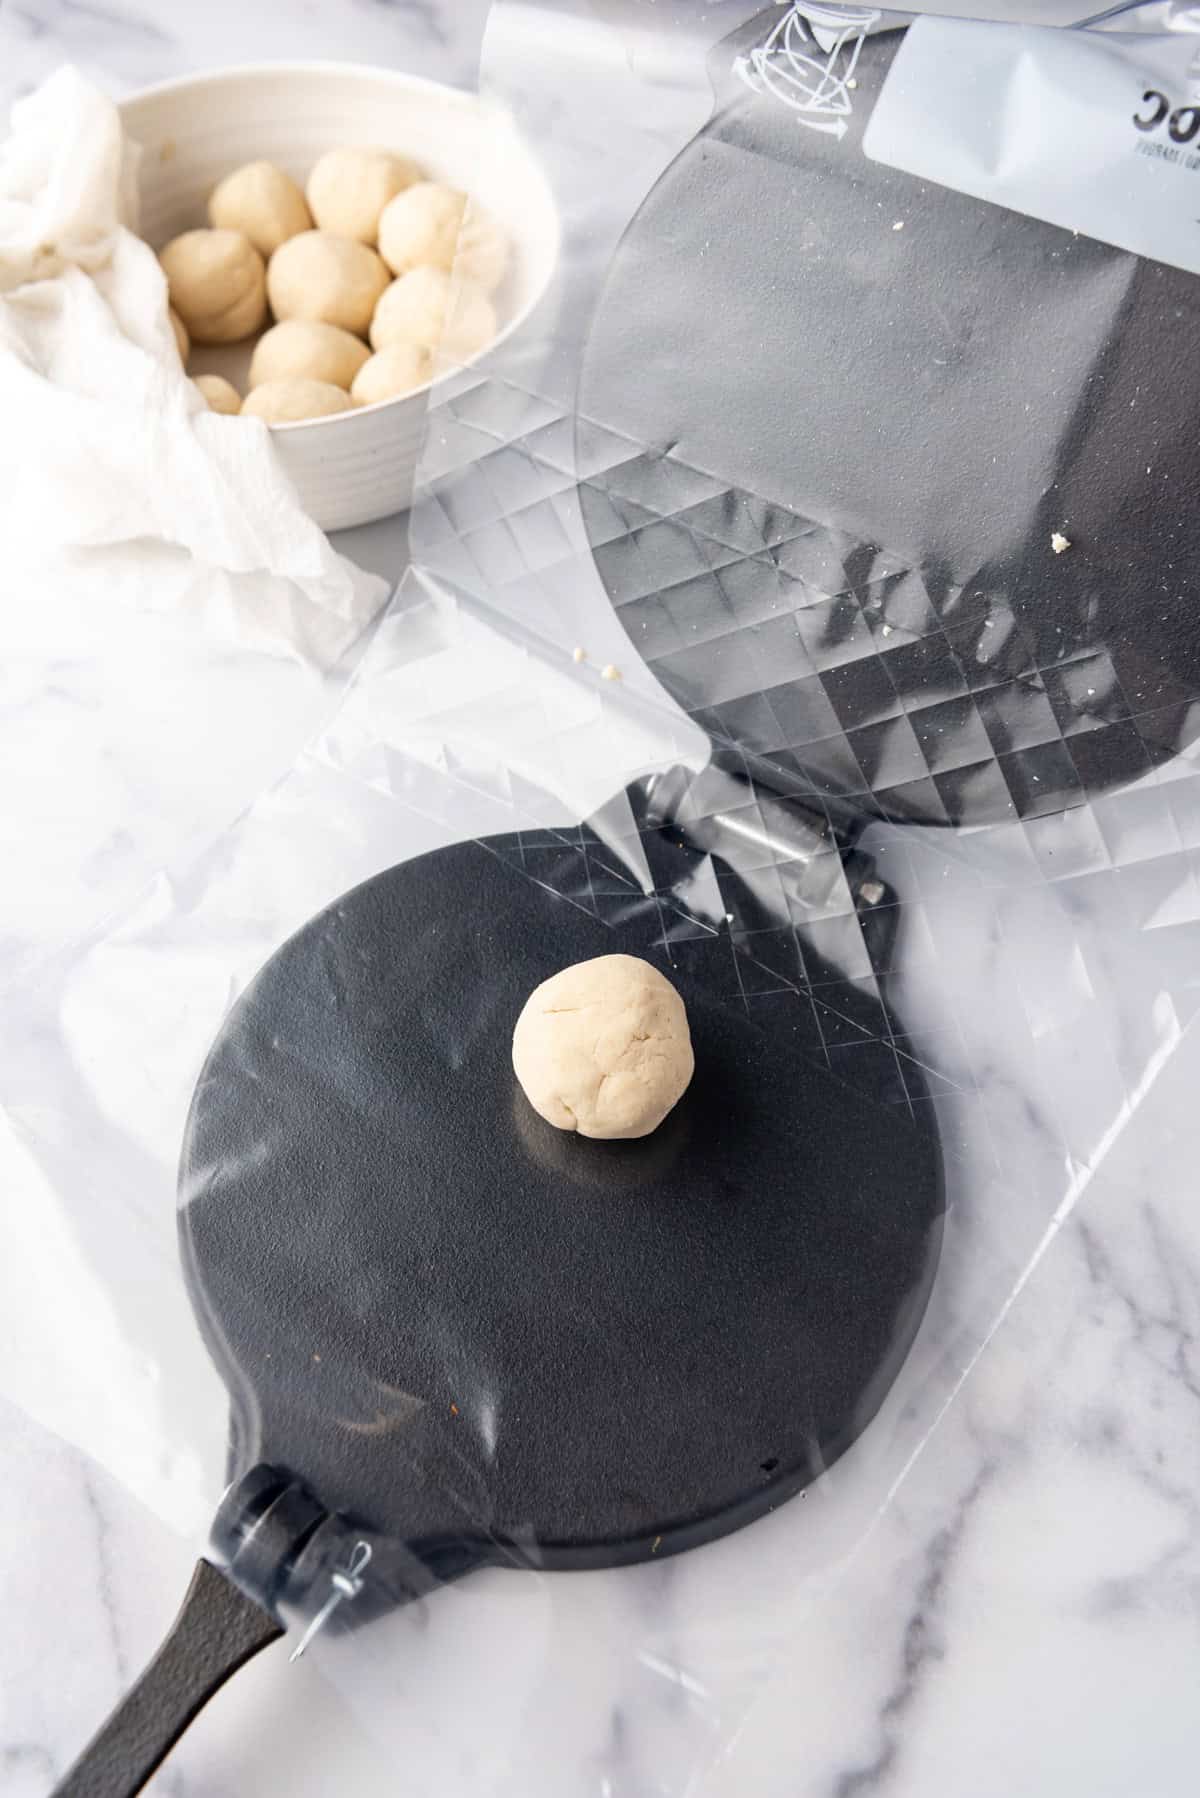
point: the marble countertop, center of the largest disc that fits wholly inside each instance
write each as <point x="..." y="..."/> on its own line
<point x="1019" y="1612"/>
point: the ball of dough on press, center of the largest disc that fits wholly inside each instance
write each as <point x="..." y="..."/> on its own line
<point x="431" y="225"/>
<point x="334" y="279"/>
<point x="349" y="188"/>
<point x="285" y="402"/>
<point x="431" y="307"/>
<point x="216" y="283"/>
<point x="307" y="347"/>
<point x="262" y="203"/>
<point x="603" y="1047"/>
<point x="221" y="395"/>
<point x="181" y="337"/>
<point x="392" y="371"/>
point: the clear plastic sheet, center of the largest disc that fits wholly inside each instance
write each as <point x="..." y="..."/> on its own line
<point x="1011" y="988"/>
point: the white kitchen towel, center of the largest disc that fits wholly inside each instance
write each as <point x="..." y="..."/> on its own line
<point x="117" y="485"/>
<point x="172" y="626"/>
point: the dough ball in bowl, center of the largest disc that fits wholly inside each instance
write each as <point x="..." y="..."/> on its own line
<point x="603" y="1047"/>
<point x="216" y="281"/>
<point x="435" y="226"/>
<point x="334" y="279"/>
<point x="349" y="188"/>
<point x="261" y="202"/>
<point x="221" y="395"/>
<point x="286" y="402"/>
<point x="431" y="307"/>
<point x="393" y="371"/>
<point x="310" y="348"/>
<point x="181" y="336"/>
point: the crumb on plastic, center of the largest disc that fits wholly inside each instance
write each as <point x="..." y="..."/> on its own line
<point x="1058" y="542"/>
<point x="610" y="672"/>
<point x="579" y="653"/>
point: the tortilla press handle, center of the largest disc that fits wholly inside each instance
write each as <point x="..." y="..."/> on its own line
<point x="261" y="1525"/>
<point x="285" y="1552"/>
<point x="217" y="1630"/>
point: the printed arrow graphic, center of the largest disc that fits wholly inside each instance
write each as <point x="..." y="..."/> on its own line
<point x="837" y="127"/>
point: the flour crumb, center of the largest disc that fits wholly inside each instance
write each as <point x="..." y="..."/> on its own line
<point x="579" y="653"/>
<point x="1058" y="542"/>
<point x="610" y="672"/>
<point x="899" y="225"/>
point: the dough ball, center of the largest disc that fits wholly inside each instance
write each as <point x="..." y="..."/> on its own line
<point x="420" y="227"/>
<point x="394" y="370"/>
<point x="435" y="226"/>
<point x="431" y="307"/>
<point x="262" y="203"/>
<point x="334" y="279"/>
<point x="222" y="395"/>
<point x="603" y="1048"/>
<point x="181" y="337"/>
<point x="284" y="402"/>
<point x="349" y="189"/>
<point x="305" y="346"/>
<point x="216" y="283"/>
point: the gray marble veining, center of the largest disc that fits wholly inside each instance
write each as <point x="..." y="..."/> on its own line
<point x="131" y="46"/>
<point x="1019" y="1612"/>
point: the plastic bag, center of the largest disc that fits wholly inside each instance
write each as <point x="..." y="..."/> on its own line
<point x="800" y="710"/>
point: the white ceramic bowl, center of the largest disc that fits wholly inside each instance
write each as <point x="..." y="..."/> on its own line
<point x="359" y="465"/>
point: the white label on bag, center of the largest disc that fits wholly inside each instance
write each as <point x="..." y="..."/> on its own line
<point x="1097" y="133"/>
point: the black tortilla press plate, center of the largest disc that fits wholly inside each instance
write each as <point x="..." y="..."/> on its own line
<point x="856" y="406"/>
<point x="454" y="1321"/>
<point x="453" y="1335"/>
